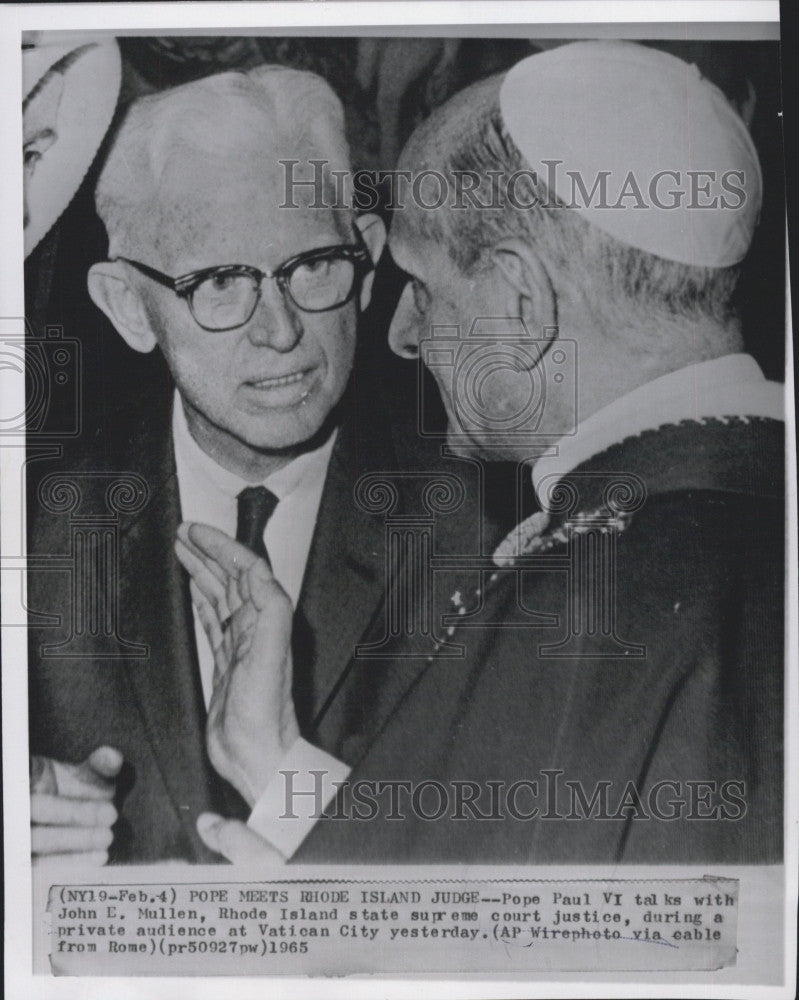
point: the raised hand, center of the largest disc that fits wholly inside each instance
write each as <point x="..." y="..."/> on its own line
<point x="247" y="617"/>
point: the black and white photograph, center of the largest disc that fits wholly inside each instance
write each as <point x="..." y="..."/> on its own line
<point x="399" y="503"/>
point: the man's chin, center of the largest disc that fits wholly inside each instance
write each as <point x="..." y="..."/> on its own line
<point x="294" y="439"/>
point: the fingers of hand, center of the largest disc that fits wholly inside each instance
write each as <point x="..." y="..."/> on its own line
<point x="187" y="539"/>
<point x="265" y="592"/>
<point x="71" y="811"/>
<point x="209" y="616"/>
<point x="43" y="779"/>
<point x="56" y="810"/>
<point x="235" y="841"/>
<point x="230" y="556"/>
<point x="276" y="612"/>
<point x="233" y="594"/>
<point x="275" y="618"/>
<point x="69" y="839"/>
<point x="213" y="589"/>
<point x="81" y="781"/>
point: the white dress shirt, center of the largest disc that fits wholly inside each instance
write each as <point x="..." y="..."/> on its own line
<point x="208" y="495"/>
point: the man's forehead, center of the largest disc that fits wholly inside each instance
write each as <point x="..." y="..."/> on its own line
<point x="226" y="205"/>
<point x="233" y="224"/>
<point x="269" y="176"/>
<point x="184" y="170"/>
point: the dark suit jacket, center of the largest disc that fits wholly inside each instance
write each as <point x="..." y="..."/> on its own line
<point x="681" y="683"/>
<point x="121" y="668"/>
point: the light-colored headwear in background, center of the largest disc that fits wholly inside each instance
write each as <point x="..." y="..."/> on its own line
<point x="70" y="93"/>
<point x="638" y="113"/>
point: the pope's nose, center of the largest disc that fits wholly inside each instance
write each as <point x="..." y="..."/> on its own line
<point x="404" y="332"/>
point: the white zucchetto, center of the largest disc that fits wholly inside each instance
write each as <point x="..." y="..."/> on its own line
<point x="642" y="145"/>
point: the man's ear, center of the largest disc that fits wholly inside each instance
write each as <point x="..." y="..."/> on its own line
<point x="373" y="232"/>
<point x="529" y="287"/>
<point x="112" y="292"/>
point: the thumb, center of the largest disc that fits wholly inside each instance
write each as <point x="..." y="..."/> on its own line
<point x="105" y="761"/>
<point x="235" y="841"/>
<point x="92" y="778"/>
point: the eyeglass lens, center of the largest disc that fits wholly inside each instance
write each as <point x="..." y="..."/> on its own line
<point x="223" y="301"/>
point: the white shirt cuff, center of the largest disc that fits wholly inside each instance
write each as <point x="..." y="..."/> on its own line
<point x="304" y="784"/>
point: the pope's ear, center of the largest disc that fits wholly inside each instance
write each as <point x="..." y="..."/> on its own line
<point x="528" y="285"/>
<point x="111" y="291"/>
<point x="373" y="231"/>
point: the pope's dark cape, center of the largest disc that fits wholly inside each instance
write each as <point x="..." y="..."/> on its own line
<point x="699" y="585"/>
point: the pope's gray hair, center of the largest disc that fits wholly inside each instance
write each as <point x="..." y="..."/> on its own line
<point x="258" y="112"/>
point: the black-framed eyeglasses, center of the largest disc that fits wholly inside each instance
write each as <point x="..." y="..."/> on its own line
<point x="225" y="297"/>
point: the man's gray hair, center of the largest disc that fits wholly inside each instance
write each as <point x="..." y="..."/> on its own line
<point x="626" y="282"/>
<point x="266" y="111"/>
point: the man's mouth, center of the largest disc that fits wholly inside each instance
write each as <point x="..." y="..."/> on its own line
<point x="280" y="391"/>
<point x="276" y="381"/>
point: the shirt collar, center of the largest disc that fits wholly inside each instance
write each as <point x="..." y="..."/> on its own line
<point x="733" y="385"/>
<point x="300" y="473"/>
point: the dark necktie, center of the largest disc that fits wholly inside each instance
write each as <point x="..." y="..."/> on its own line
<point x="256" y="506"/>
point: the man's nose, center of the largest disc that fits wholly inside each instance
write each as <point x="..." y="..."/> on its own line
<point x="403" y="334"/>
<point x="273" y="323"/>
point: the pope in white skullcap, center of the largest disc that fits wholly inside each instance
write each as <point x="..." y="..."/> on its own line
<point x="642" y="145"/>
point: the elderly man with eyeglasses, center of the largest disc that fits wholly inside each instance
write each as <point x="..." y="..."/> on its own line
<point x="254" y="306"/>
